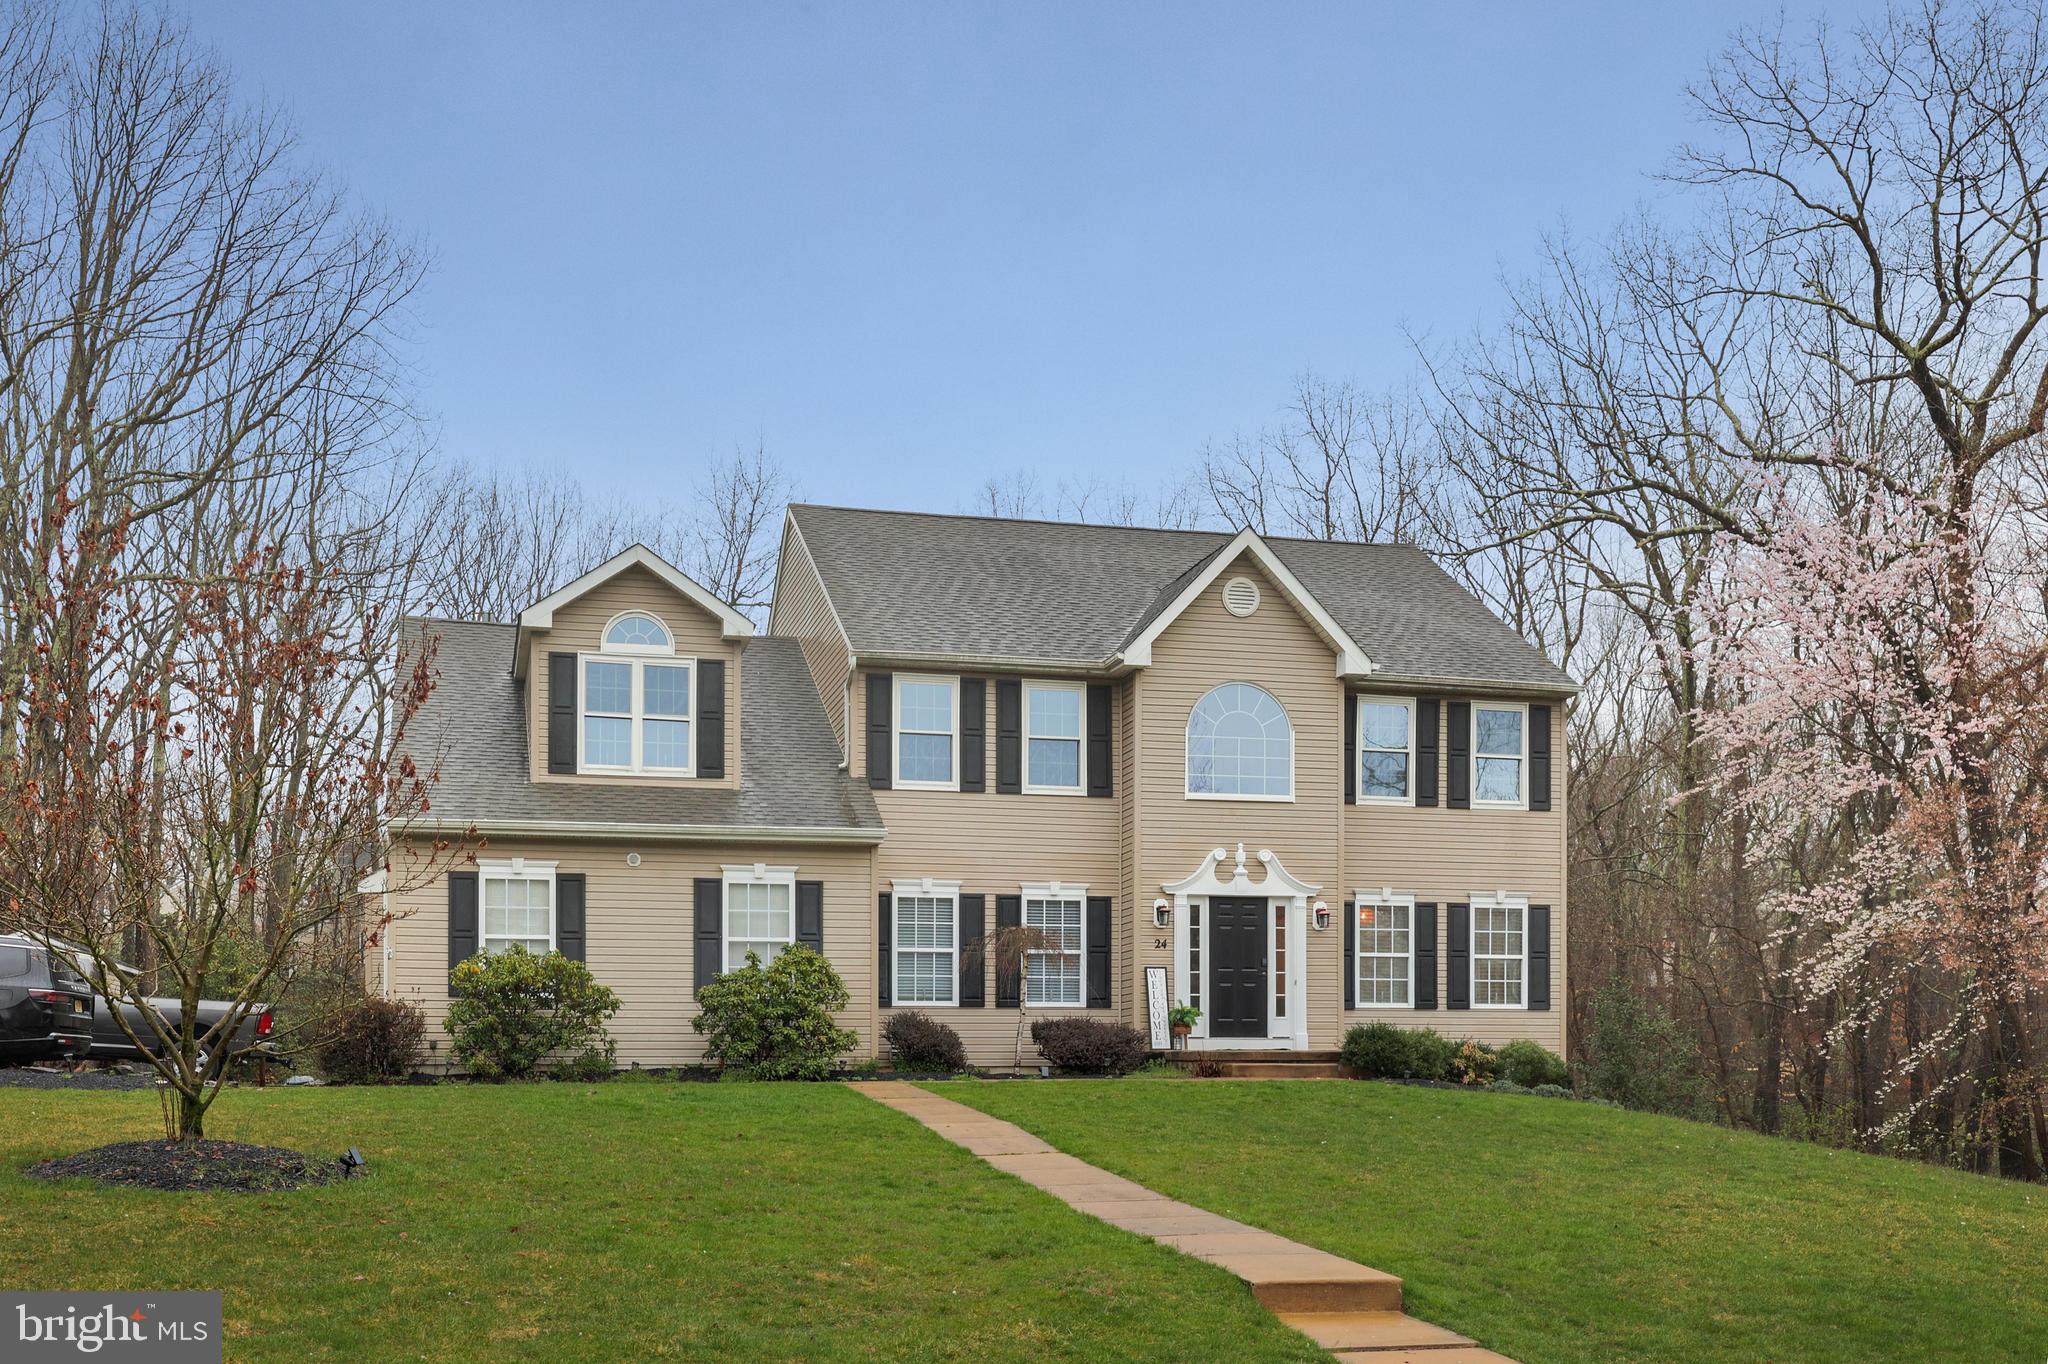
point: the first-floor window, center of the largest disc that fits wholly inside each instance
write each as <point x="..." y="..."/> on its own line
<point x="760" y="913"/>
<point x="927" y="950"/>
<point x="1386" y="950"/>
<point x="1498" y="953"/>
<point x="518" y="907"/>
<point x="1054" y="976"/>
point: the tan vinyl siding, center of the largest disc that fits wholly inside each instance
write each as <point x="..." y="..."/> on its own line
<point x="579" y="627"/>
<point x="1447" y="856"/>
<point x="1274" y="648"/>
<point x="639" y="924"/>
<point x="994" y="845"/>
<point x="803" y="612"/>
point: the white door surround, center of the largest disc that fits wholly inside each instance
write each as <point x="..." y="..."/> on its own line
<point x="1281" y="890"/>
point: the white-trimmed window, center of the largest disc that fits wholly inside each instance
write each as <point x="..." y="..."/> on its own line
<point x="1500" y="951"/>
<point x="1055" y="978"/>
<point x="1385" y="924"/>
<point x="1055" y="728"/>
<point x="637" y="701"/>
<point x="925" y="953"/>
<point x="760" y="913"/>
<point x="1386" y="749"/>
<point x="927" y="732"/>
<point x="1500" y="753"/>
<point x="1240" y="746"/>
<point x="518" y="906"/>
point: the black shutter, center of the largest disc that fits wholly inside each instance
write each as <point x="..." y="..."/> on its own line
<point x="1427" y="713"/>
<point x="1009" y="736"/>
<point x="709" y="944"/>
<point x="1458" y="783"/>
<point x="1539" y="757"/>
<point x="561" y="713"/>
<point x="1098" y="951"/>
<point x="881" y="721"/>
<point x="973" y="967"/>
<point x="569" y="915"/>
<point x="1539" y="956"/>
<point x="973" y="734"/>
<point x="1424" y="938"/>
<point x="1458" y="976"/>
<point x="885" y="944"/>
<point x="1009" y="914"/>
<point x="1350" y="955"/>
<point x="1350" y="749"/>
<point x="810" y="915"/>
<point x="1100" y="781"/>
<point x="462" y="942"/>
<point x="711" y="717"/>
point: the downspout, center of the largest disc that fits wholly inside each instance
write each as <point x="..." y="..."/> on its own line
<point x="385" y="900"/>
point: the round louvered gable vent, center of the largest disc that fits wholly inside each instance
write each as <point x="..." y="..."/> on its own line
<point x="1240" y="596"/>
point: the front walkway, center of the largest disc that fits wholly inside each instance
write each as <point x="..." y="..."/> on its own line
<point x="1349" y="1309"/>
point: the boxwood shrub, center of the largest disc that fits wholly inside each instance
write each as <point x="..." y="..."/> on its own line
<point x="1383" y="1051"/>
<point x="1530" y="1064"/>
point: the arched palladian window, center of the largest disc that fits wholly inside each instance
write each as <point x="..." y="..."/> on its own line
<point x="1240" y="745"/>
<point x="637" y="630"/>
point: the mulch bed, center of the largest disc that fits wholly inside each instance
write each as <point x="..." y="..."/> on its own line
<point x="41" y="1077"/>
<point x="222" y="1166"/>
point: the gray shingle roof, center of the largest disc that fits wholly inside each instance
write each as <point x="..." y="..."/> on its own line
<point x="917" y="584"/>
<point x="474" y="725"/>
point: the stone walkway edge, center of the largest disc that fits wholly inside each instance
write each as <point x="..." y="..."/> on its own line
<point x="1349" y="1309"/>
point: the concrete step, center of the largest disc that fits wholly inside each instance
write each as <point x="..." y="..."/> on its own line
<point x="1246" y="1054"/>
<point x="1283" y="1070"/>
<point x="1315" y="1283"/>
<point x="1341" y="1331"/>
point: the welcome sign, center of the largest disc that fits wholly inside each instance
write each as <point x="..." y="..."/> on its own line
<point x="159" y="1328"/>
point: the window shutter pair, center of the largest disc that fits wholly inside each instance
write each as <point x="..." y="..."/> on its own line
<point x="1009" y="914"/>
<point x="1427" y="712"/>
<point x="1536" y="949"/>
<point x="710" y="726"/>
<point x="463" y="929"/>
<point x="1459" y="795"/>
<point x="1421" y="939"/>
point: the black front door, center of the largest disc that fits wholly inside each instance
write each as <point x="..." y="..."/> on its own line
<point x="1237" y="966"/>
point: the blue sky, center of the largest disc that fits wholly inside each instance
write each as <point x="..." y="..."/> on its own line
<point x="909" y="247"/>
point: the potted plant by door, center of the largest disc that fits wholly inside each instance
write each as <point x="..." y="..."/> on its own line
<point x="1180" y="1021"/>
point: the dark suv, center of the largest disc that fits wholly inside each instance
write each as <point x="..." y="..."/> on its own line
<point x="45" y="1006"/>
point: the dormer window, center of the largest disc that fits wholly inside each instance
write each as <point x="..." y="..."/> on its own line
<point x="637" y="701"/>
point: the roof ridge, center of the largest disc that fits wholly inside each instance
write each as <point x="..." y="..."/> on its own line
<point x="1101" y="525"/>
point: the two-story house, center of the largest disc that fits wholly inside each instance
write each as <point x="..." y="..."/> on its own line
<point x="1314" y="783"/>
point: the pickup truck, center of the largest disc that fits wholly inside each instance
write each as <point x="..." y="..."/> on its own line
<point x="109" y="1043"/>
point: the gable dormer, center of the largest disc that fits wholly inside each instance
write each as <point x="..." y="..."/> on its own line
<point x="632" y="675"/>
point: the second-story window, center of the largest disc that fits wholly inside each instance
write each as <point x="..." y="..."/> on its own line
<point x="636" y="701"/>
<point x="1052" y="738"/>
<point x="928" y="732"/>
<point x="1386" y="739"/>
<point x="1240" y="745"/>
<point x="1500" y="749"/>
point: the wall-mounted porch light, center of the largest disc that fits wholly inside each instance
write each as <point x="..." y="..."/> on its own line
<point x="1322" y="919"/>
<point x="1162" y="913"/>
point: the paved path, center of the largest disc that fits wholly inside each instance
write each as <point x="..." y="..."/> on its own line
<point x="1349" y="1309"/>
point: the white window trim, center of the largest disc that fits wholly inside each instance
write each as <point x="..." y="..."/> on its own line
<point x="1521" y="802"/>
<point x="635" y="658"/>
<point x="896" y="732"/>
<point x="924" y="887"/>
<point x="517" y="869"/>
<point x="1080" y="786"/>
<point x="1358" y="758"/>
<point x="1380" y="899"/>
<point x="758" y="874"/>
<point x="1187" y="768"/>
<point x="1495" y="900"/>
<point x="1056" y="890"/>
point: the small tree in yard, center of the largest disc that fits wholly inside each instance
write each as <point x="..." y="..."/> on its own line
<point x="775" y="1021"/>
<point x="1010" y="947"/>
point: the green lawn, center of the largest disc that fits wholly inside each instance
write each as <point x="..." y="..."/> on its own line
<point x="1558" y="1232"/>
<point x="621" y="1221"/>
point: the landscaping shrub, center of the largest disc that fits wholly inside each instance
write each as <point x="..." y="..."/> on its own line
<point x="1090" y="1046"/>
<point x="1474" y="1063"/>
<point x="1551" y="1091"/>
<point x="1509" y="1087"/>
<point x="510" y="1011"/>
<point x="373" y="1042"/>
<point x="1530" y="1064"/>
<point x="775" y="1022"/>
<point x="1638" y="1058"/>
<point x="917" y="1041"/>
<point x="1383" y="1051"/>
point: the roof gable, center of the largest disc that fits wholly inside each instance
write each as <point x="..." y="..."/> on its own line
<point x="1247" y="543"/>
<point x="541" y="615"/>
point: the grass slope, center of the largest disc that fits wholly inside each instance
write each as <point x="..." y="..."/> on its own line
<point x="1561" y="1233"/>
<point x="619" y="1221"/>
